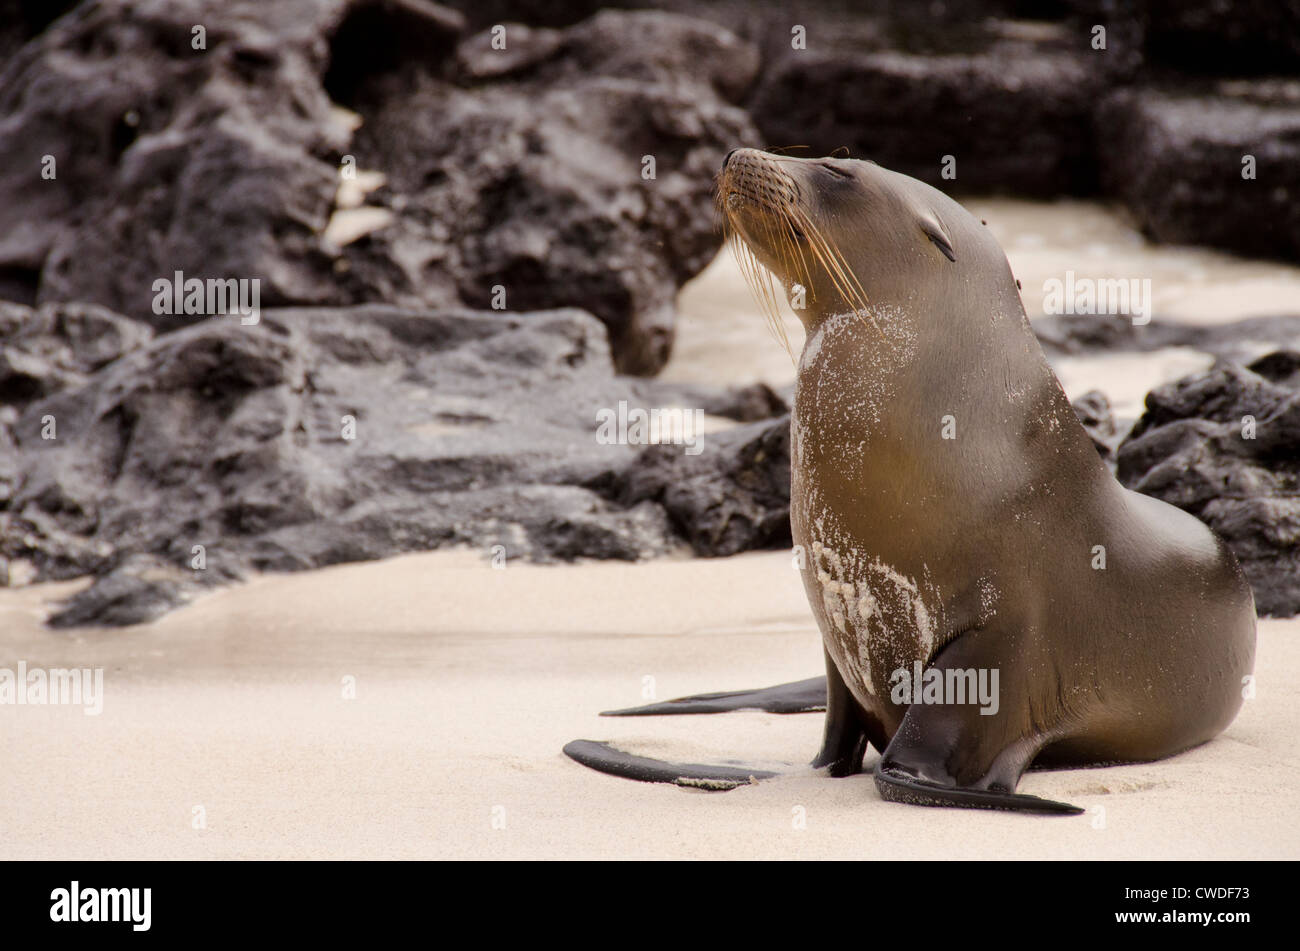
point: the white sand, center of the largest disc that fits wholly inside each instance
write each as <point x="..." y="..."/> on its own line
<point x="471" y="679"/>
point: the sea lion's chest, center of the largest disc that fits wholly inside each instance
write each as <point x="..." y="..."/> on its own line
<point x="876" y="613"/>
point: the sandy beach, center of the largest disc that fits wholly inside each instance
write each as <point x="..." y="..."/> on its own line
<point x="226" y="731"/>
<point x="470" y="679"/>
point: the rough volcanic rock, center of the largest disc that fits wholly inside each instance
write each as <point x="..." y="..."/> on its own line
<point x="1176" y="159"/>
<point x="518" y="168"/>
<point x="1225" y="446"/>
<point x="522" y="173"/>
<point x="314" y="437"/>
<point x="733" y="498"/>
<point x="58" y="346"/>
<point x="1011" y="102"/>
<point x="167" y="157"/>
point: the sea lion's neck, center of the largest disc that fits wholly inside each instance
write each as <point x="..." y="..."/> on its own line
<point x="908" y="365"/>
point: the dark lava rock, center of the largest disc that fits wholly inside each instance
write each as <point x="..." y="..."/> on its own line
<point x="166" y="157"/>
<point x="1225" y="446"/>
<point x="523" y="171"/>
<point x="321" y="436"/>
<point x="58" y="346"/>
<point x="137" y="590"/>
<point x="735" y="497"/>
<point x="518" y="168"/>
<point x="1011" y="102"/>
<point x="1176" y="159"/>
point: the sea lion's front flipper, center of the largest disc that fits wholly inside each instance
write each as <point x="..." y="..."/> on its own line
<point x="895" y="785"/>
<point x="803" y="696"/>
<point x="606" y="759"/>
<point x="969" y="751"/>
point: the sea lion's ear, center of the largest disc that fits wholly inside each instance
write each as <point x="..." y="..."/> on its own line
<point x="936" y="232"/>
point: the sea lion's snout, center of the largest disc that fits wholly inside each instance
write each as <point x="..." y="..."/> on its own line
<point x="775" y="209"/>
<point x="762" y="204"/>
<point x="754" y="185"/>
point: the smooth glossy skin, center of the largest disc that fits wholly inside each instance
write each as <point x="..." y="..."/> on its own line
<point x="979" y="551"/>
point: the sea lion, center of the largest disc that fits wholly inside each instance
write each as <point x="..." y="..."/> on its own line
<point x="956" y="518"/>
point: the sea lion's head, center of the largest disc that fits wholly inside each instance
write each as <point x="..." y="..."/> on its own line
<point x="847" y="231"/>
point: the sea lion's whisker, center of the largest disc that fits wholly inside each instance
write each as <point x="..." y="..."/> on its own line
<point x="846" y="283"/>
<point x="763" y="278"/>
<point x="761" y="284"/>
<point x="805" y="275"/>
<point x="774" y="312"/>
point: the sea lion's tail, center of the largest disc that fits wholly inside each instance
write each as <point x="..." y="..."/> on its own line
<point x="896" y="785"/>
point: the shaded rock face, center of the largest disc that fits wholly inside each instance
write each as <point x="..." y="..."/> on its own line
<point x="1176" y="159"/>
<point x="1225" y="446"/>
<point x="376" y="37"/>
<point x="1246" y="37"/>
<point x="322" y="436"/>
<point x="519" y="169"/>
<point x="20" y="20"/>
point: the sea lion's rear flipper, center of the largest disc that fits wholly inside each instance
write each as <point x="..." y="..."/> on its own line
<point x="969" y="749"/>
<point x="606" y="759"/>
<point x="803" y="696"/>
